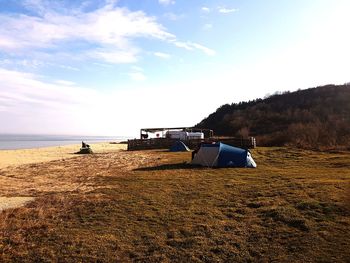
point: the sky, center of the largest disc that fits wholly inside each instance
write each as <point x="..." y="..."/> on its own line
<point x="112" y="67"/>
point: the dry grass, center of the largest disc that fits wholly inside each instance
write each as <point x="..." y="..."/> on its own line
<point x="152" y="206"/>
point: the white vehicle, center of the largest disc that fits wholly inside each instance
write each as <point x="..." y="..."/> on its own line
<point x="182" y="135"/>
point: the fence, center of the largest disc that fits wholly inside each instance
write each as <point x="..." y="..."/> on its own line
<point x="166" y="143"/>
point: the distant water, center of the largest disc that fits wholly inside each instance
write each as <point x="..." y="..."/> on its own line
<point x="23" y="141"/>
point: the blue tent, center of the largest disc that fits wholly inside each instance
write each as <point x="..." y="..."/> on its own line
<point x="223" y="155"/>
<point x="179" y="146"/>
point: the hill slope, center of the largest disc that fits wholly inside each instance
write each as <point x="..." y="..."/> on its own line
<point x="313" y="118"/>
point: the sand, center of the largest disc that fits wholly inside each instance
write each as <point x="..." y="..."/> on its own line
<point x="13" y="202"/>
<point x="38" y="155"/>
<point x="17" y="178"/>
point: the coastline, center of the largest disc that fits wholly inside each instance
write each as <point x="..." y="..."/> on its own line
<point x="18" y="157"/>
<point x="29" y="141"/>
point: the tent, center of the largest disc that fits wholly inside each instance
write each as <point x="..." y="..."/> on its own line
<point x="223" y="155"/>
<point x="179" y="146"/>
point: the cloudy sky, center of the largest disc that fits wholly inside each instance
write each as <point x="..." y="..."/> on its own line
<point x="111" y="67"/>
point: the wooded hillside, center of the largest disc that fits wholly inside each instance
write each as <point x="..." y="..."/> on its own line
<point x="312" y="118"/>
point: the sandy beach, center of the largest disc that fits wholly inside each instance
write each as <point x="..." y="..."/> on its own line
<point x="38" y="155"/>
<point x="14" y="167"/>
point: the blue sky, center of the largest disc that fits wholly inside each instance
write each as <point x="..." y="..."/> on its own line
<point x="111" y="67"/>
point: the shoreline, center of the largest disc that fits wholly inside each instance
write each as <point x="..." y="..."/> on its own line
<point x="16" y="157"/>
<point x="17" y="142"/>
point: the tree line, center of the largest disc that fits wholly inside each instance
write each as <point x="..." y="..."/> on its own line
<point x="313" y="118"/>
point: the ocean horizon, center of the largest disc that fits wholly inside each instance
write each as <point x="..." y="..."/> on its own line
<point x="29" y="141"/>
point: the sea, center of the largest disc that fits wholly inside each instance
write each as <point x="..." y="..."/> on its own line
<point x="27" y="141"/>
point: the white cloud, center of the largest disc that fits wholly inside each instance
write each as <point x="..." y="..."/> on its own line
<point x="100" y="28"/>
<point x="38" y="6"/>
<point x="8" y="43"/>
<point x="207" y="27"/>
<point x="99" y="32"/>
<point x="116" y="57"/>
<point x="206" y="50"/>
<point x="27" y="87"/>
<point x="137" y="76"/>
<point x="137" y="68"/>
<point x="28" y="63"/>
<point x="173" y="17"/>
<point x="65" y="82"/>
<point x="30" y="105"/>
<point x="225" y="10"/>
<point x="162" y="55"/>
<point x="205" y="9"/>
<point x="111" y="3"/>
<point x="69" y="67"/>
<point x="219" y="9"/>
<point x="166" y="2"/>
<point x="191" y="46"/>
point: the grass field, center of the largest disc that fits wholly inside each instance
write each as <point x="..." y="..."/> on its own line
<point x="152" y="206"/>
